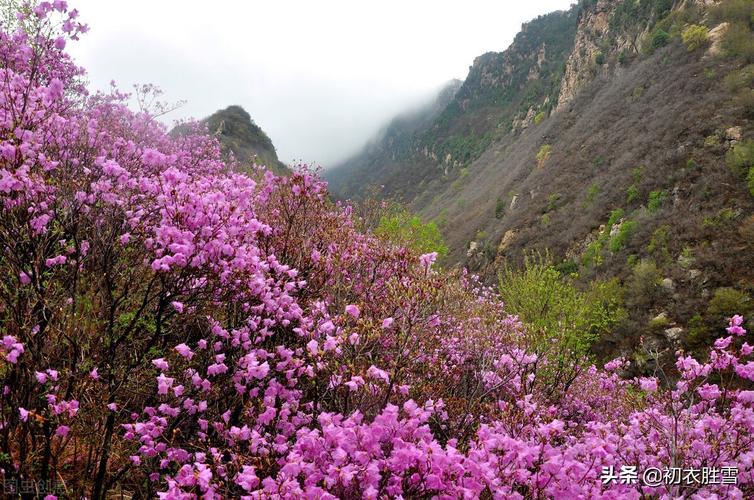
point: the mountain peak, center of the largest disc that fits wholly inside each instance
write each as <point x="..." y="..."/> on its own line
<point x="240" y="135"/>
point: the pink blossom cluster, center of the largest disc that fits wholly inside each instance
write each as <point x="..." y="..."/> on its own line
<point x="179" y="329"/>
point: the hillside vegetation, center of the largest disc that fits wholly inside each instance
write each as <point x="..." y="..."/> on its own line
<point x="179" y="326"/>
<point x="626" y="154"/>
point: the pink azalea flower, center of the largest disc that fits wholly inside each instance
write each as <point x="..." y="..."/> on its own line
<point x="160" y="363"/>
<point x="184" y="351"/>
<point x="353" y="310"/>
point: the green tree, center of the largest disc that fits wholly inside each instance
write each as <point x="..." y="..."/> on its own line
<point x="562" y="319"/>
<point x="401" y="227"/>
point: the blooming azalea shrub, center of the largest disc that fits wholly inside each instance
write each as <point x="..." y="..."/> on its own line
<point x="173" y="328"/>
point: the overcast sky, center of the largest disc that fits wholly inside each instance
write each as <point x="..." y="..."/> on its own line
<point x="320" y="77"/>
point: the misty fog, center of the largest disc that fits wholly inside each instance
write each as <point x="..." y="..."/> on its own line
<point x="319" y="77"/>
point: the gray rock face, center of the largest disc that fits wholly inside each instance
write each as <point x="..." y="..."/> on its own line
<point x="674" y="334"/>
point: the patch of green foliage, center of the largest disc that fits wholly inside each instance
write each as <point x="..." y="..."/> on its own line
<point x="560" y="316"/>
<point x="712" y="140"/>
<point x="631" y="18"/>
<point x="499" y="208"/>
<point x="599" y="58"/>
<point x="643" y="286"/>
<point x="552" y="202"/>
<point x="658" y="244"/>
<point x="632" y="193"/>
<point x="740" y="159"/>
<point x="543" y="154"/>
<point x="695" y="36"/>
<point x="623" y="57"/>
<point x="656" y="199"/>
<point x="659" y="38"/>
<point x="726" y="302"/>
<point x="726" y="214"/>
<point x="739" y="83"/>
<point x="405" y="229"/>
<point x="591" y="194"/>
<point x="619" y="239"/>
<point x="593" y="254"/>
<point x="615" y="216"/>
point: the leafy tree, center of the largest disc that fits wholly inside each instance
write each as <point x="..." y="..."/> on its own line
<point x="560" y="317"/>
<point x="405" y="229"/>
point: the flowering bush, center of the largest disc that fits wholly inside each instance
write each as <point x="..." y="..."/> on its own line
<point x="173" y="328"/>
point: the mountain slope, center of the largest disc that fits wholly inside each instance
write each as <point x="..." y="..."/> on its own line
<point x="503" y="91"/>
<point x="625" y="173"/>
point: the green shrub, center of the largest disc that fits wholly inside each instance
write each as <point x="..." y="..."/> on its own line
<point x="712" y="140"/>
<point x="659" y="322"/>
<point x="695" y="36"/>
<point x="619" y="239"/>
<point x="726" y="302"/>
<point x="739" y="42"/>
<point x="499" y="208"/>
<point x="552" y="202"/>
<point x="637" y="174"/>
<point x="744" y="100"/>
<point x="740" y="158"/>
<point x="659" y="38"/>
<point x="591" y="194"/>
<point x="568" y="268"/>
<point x="615" y="216"/>
<point x="593" y="254"/>
<point x="623" y="57"/>
<point x="561" y="317"/>
<point x="658" y="244"/>
<point x="740" y="79"/>
<point x="724" y="215"/>
<point x="539" y="117"/>
<point x="543" y="154"/>
<point x="643" y="287"/>
<point x="402" y="228"/>
<point x="656" y="199"/>
<point x="698" y="331"/>
<point x="599" y="58"/>
<point x="632" y="193"/>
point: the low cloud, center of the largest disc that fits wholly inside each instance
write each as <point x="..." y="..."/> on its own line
<point x="319" y="77"/>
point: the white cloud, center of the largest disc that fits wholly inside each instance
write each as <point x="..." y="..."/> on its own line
<point x="318" y="77"/>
